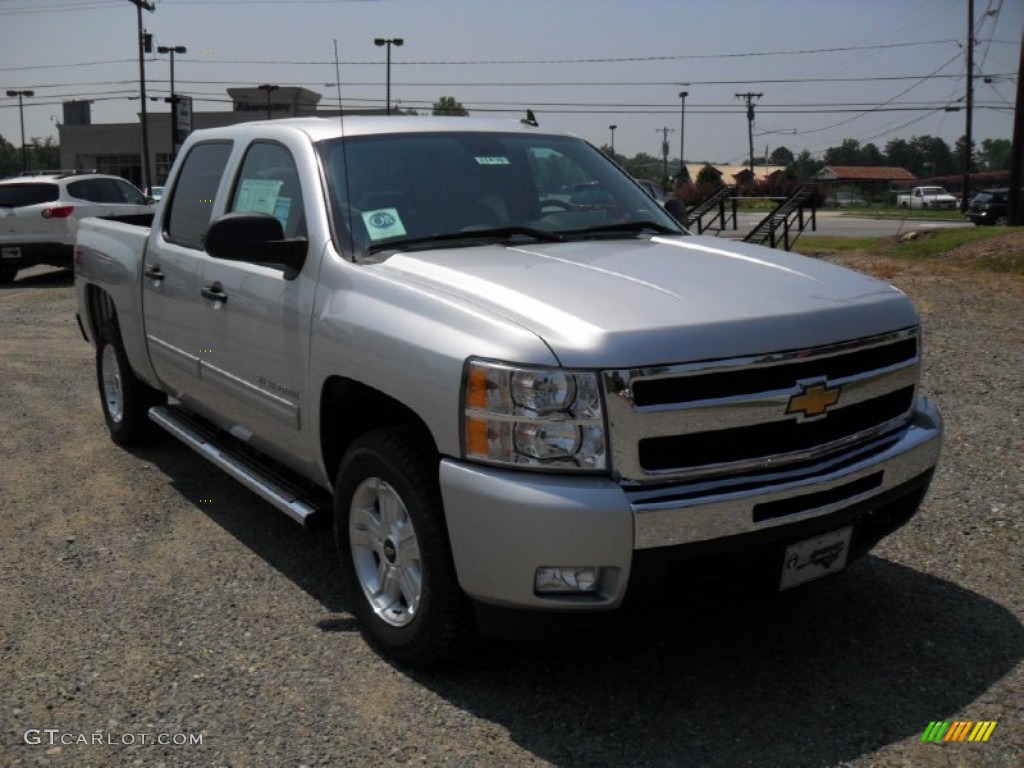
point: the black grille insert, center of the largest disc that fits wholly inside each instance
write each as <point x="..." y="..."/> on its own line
<point x="773" y="438"/>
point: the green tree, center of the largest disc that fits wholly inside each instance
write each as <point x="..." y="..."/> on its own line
<point x="10" y="159"/>
<point x="871" y="155"/>
<point x="709" y="175"/>
<point x="847" y="153"/>
<point x="995" y="154"/>
<point x="641" y="166"/>
<point x="804" y="166"/>
<point x="447" y="105"/>
<point x="781" y="156"/>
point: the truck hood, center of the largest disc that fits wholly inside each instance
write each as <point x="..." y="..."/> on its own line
<point x="625" y="303"/>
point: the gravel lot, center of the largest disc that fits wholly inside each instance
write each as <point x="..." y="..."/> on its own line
<point x="146" y="594"/>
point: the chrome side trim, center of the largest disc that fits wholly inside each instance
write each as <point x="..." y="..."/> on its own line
<point x="706" y="511"/>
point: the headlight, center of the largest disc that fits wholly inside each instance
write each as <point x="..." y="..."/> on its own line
<point x="532" y="417"/>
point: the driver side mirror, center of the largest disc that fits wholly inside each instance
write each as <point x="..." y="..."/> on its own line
<point x="257" y="238"/>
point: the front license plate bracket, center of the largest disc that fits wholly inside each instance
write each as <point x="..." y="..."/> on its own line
<point x="814" y="558"/>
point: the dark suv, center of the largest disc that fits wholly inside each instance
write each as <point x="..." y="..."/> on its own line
<point x="989" y="207"/>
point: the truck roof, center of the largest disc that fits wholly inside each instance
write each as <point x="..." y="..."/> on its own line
<point x="320" y="128"/>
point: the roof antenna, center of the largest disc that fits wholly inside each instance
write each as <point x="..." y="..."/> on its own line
<point x="530" y="119"/>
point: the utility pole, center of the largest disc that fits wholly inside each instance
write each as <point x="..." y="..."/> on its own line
<point x="682" y="134"/>
<point x="145" y="46"/>
<point x="664" y="147"/>
<point x="965" y="193"/>
<point x="1015" y="214"/>
<point x="749" y="98"/>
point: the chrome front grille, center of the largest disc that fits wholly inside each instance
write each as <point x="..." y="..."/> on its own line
<point x="739" y="415"/>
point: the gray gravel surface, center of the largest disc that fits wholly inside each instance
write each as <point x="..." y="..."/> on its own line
<point x="146" y="596"/>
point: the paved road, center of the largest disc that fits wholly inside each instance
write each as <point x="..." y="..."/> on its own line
<point x="841" y="225"/>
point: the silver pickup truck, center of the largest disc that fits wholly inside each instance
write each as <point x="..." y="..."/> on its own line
<point x="509" y="377"/>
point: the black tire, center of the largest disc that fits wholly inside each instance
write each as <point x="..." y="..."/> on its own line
<point x="397" y="569"/>
<point x="7" y="276"/>
<point x="125" y="399"/>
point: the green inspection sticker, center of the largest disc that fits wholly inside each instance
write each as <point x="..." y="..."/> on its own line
<point x="383" y="223"/>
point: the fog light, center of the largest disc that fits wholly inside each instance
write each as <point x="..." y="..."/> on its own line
<point x="566" y="581"/>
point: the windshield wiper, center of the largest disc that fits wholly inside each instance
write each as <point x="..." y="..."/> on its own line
<point x="627" y="227"/>
<point x="469" y="237"/>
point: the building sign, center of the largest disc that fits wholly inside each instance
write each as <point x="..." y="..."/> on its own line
<point x="183" y="108"/>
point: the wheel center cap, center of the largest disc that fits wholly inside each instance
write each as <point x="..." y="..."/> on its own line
<point x="390" y="551"/>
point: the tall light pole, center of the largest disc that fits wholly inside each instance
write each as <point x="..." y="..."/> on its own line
<point x="388" y="41"/>
<point x="21" y="114"/>
<point x="173" y="49"/>
<point x="682" y="130"/>
<point x="269" y="89"/>
<point x="145" y="46"/>
<point x="612" y="129"/>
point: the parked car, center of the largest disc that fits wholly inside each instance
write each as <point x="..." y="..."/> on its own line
<point x="156" y="193"/>
<point x="39" y="215"/>
<point x="989" y="206"/>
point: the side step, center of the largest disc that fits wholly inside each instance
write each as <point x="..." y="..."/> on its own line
<point x="225" y="452"/>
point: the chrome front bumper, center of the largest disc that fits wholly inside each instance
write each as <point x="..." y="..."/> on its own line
<point x="503" y="525"/>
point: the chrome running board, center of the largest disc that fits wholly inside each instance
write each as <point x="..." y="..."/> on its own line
<point x="216" y="447"/>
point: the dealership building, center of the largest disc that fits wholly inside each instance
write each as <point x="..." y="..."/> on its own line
<point x="116" y="148"/>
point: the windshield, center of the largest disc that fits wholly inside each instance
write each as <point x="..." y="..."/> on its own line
<point x="419" y="190"/>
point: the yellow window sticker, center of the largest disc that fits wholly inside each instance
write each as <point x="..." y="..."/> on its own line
<point x="383" y="223"/>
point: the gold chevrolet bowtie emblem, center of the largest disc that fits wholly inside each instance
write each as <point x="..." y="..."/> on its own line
<point x="813" y="400"/>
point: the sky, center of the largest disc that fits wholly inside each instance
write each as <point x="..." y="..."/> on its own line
<point x="827" y="70"/>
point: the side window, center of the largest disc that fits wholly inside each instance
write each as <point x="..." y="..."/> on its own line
<point x="269" y="183"/>
<point x="86" y="189"/>
<point x="126" y="193"/>
<point x="191" y="206"/>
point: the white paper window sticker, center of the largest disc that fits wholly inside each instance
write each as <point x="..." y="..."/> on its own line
<point x="383" y="223"/>
<point x="258" y="195"/>
<point x="492" y="160"/>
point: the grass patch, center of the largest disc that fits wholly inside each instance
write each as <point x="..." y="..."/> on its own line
<point x="997" y="249"/>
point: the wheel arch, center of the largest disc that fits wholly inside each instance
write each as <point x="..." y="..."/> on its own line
<point x="349" y="408"/>
<point x="100" y="309"/>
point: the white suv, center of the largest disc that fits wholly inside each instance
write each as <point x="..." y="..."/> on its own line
<point x="39" y="215"/>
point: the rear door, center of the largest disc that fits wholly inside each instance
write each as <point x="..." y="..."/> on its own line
<point x="178" y="325"/>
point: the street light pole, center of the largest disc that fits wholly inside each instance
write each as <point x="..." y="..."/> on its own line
<point x="21" y="115"/>
<point x="612" y="129"/>
<point x="173" y="49"/>
<point x="269" y="89"/>
<point x="388" y="41"/>
<point x="682" y="129"/>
